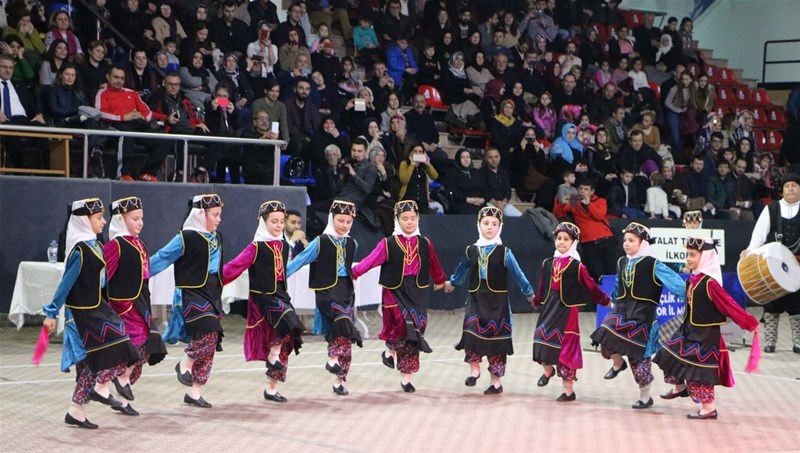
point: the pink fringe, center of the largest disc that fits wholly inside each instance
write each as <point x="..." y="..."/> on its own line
<point x="41" y="346"/>
<point x="755" y="356"/>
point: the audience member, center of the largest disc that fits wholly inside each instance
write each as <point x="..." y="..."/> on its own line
<point x="258" y="163"/>
<point x="293" y="232"/>
<point x="498" y="183"/>
<point x="302" y="119"/>
<point x="624" y="198"/>
<point x="466" y="184"/>
<point x="721" y="193"/>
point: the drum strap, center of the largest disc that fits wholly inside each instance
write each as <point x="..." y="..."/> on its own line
<point x="775" y="216"/>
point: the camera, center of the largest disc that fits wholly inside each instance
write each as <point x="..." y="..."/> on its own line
<point x="347" y="161"/>
<point x="530" y="139"/>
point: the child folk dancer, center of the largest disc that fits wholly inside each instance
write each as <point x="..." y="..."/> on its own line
<point x="487" y="317"/>
<point x="196" y="252"/>
<point x="331" y="257"/>
<point x="273" y="328"/>
<point x="695" y="357"/>
<point x="405" y="300"/>
<point x="631" y="328"/>
<point x="95" y="339"/>
<point x="556" y="340"/>
<point x="127" y="271"/>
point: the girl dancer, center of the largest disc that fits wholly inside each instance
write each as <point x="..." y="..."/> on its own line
<point x="695" y="358"/>
<point x="331" y="257"/>
<point x="196" y="252"/>
<point x="487" y="317"/>
<point x="631" y="328"/>
<point x="95" y="340"/>
<point x="273" y="328"/>
<point x="405" y="300"/>
<point x="556" y="340"/>
<point x="127" y="271"/>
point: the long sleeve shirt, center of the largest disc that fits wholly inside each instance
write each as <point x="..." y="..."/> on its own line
<point x="174" y="250"/>
<point x="460" y="274"/>
<point x="379" y="255"/>
<point x="235" y="267"/>
<point x="310" y="254"/>
<point x="657" y="202"/>
<point x="72" y="269"/>
<point x="584" y="279"/>
<point x="663" y="274"/>
<point x="115" y="104"/>
<point x="591" y="218"/>
<point x="726" y="304"/>
<point x="764" y="223"/>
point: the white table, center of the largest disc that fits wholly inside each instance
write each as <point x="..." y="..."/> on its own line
<point x="37" y="282"/>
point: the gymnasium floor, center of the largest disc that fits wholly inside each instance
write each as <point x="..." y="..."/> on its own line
<point x="759" y="415"/>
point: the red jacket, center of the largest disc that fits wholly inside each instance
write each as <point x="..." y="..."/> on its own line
<point x="115" y="104"/>
<point x="590" y="219"/>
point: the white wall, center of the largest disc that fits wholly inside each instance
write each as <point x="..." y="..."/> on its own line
<point x="737" y="29"/>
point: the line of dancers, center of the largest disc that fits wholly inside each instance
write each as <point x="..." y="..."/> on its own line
<point x="109" y="334"/>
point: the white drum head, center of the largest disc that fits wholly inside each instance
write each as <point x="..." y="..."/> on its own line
<point x="782" y="266"/>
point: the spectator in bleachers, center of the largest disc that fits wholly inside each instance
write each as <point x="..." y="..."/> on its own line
<point x="374" y="10"/>
<point x="374" y="134"/>
<point x="327" y="134"/>
<point x="134" y="24"/>
<point x="302" y="118"/>
<point x="230" y="73"/>
<point x="393" y="108"/>
<point x="222" y="118"/>
<point x="675" y="186"/>
<point x="650" y="132"/>
<point x="505" y="131"/>
<point x="657" y="204"/>
<point x="396" y="142"/>
<point x="744" y="150"/>
<point x="436" y="28"/>
<point x="643" y="159"/>
<point x="615" y="127"/>
<point x="401" y="66"/>
<point x="422" y="127"/>
<point x="365" y="40"/>
<point x="498" y="182"/>
<point x="287" y="79"/>
<point x="688" y="47"/>
<point x="329" y="11"/>
<point x="590" y="50"/>
<point x="536" y="22"/>
<point x="332" y="69"/>
<point x="478" y="74"/>
<point x="624" y="198"/>
<point x="192" y="17"/>
<point x="704" y="97"/>
<point x="696" y="181"/>
<point x="61" y="28"/>
<point x="466" y="27"/>
<point x="668" y="54"/>
<point x="746" y="204"/>
<point x="620" y="45"/>
<point x="167" y="25"/>
<point x="276" y="109"/>
<point x="619" y="75"/>
<point x="94" y="70"/>
<point x="139" y="76"/>
<point x="360" y="175"/>
<point x="544" y="117"/>
<point x="394" y="23"/>
<point x="295" y="236"/>
<point x="31" y="41"/>
<point x="638" y="75"/>
<point x="180" y="113"/>
<point x="567" y="94"/>
<point x="354" y="118"/>
<point x="502" y="71"/>
<point x="447" y="46"/>
<point x="488" y="26"/>
<point x="677" y="101"/>
<point x="38" y="12"/>
<point x="413" y="174"/>
<point x="432" y="69"/>
<point x="123" y="109"/>
<point x="471" y="46"/>
<point x="721" y="193"/>
<point x="744" y="128"/>
<point x="23" y="76"/>
<point x="529" y="172"/>
<point x="647" y="39"/>
<point x="197" y="80"/>
<point x="565" y="151"/>
<point x="381" y="85"/>
<point x="711" y="154"/>
<point x="387" y="174"/>
<point x="290" y="50"/>
<point x="324" y="96"/>
<point x="258" y="164"/>
<point x="329" y="176"/>
<point x="494" y="46"/>
<point x="263" y="11"/>
<point x="490" y="105"/>
<point x="602" y="76"/>
<point x="233" y="35"/>
<point x="458" y="88"/>
<point x="603" y="104"/>
<point x="200" y="43"/>
<point x="509" y="25"/>
<point x="19" y="107"/>
<point x="466" y="184"/>
<point x="570" y="59"/>
<point x="518" y="52"/>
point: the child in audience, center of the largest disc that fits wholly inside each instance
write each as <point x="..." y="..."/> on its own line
<point x="657" y="204"/>
<point x="566" y="190"/>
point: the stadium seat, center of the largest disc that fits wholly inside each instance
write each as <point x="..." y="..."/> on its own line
<point x="727" y="77"/>
<point x="694" y="69"/>
<point x="726" y="95"/>
<point x="744" y="98"/>
<point x="634" y="19"/>
<point x="433" y="98"/>
<point x="760" y="118"/>
<point x="713" y="73"/>
<point x="776" y="118"/>
<point x="602" y="32"/>
<point x="773" y="140"/>
<point x="761" y="139"/>
<point x="461" y="135"/>
<point x="761" y="97"/>
<point x="656" y="89"/>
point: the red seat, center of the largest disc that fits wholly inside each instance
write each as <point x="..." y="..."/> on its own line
<point x="761" y="97"/>
<point x="634" y="19"/>
<point x="725" y="95"/>
<point x="694" y="69"/>
<point x="656" y="88"/>
<point x="761" y="139"/>
<point x="760" y="118"/>
<point x="602" y="33"/>
<point x="775" y="118"/>
<point x="727" y="77"/>
<point x="713" y="74"/>
<point x="433" y="98"/>
<point x="774" y="140"/>
<point x="744" y="97"/>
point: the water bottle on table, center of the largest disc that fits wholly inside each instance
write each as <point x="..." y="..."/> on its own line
<point x="52" y="252"/>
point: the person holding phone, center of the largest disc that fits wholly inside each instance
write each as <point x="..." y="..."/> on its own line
<point x="413" y="174"/>
<point x="262" y="54"/>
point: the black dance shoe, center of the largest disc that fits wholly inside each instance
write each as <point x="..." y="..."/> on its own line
<point x="672" y="395"/>
<point x="612" y="373"/>
<point x="564" y="398"/>
<point x="70" y="420"/>
<point x="408" y="388"/>
<point x="184" y="378"/>
<point x="492" y="390"/>
<point x="544" y="380"/>
<point x="796" y="349"/>
<point x="387" y="360"/>
<point x="769" y="349"/>
<point x="110" y="401"/>
<point x="470" y="381"/>
<point x="276" y="366"/>
<point x="199" y="402"/>
<point x="277" y="397"/>
<point x="340" y="390"/>
<point x="643" y="405"/>
<point x="124" y="392"/>
<point x="333" y="369"/>
<point x="126" y="410"/>
<point x="698" y="416"/>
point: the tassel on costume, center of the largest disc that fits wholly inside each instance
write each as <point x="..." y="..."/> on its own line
<point x="41" y="346"/>
<point x="755" y="355"/>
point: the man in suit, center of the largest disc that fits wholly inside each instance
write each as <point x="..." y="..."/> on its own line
<point x="295" y="236"/>
<point x="18" y="108"/>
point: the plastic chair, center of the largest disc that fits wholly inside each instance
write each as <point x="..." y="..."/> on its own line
<point x="761" y="97"/>
<point x="725" y="95"/>
<point x="656" y="89"/>
<point x="776" y="118"/>
<point x="694" y="69"/>
<point x="306" y="180"/>
<point x="760" y="118"/>
<point x="773" y="140"/>
<point x="713" y="74"/>
<point x="761" y="139"/>
<point x="433" y="98"/>
<point x="744" y="98"/>
<point x="727" y="76"/>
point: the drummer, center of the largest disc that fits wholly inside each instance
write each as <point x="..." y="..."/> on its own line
<point x="783" y="228"/>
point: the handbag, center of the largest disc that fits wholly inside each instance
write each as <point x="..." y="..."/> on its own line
<point x="688" y="121"/>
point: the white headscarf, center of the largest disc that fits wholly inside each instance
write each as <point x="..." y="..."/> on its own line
<point x="644" y="250"/>
<point x="330" y="230"/>
<point x="117" y="226"/>
<point x="196" y="221"/>
<point x="709" y="263"/>
<point x="573" y="251"/>
<point x="262" y="234"/>
<point x="399" y="231"/>
<point x="662" y="49"/>
<point x="484" y="241"/>
<point x="79" y="228"/>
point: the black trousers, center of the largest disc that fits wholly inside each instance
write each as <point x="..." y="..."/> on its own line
<point x="599" y="257"/>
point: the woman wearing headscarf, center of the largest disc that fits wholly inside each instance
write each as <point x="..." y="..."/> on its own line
<point x="478" y="74"/>
<point x="408" y="266"/>
<point x="487" y="316"/>
<point x="695" y="357"/>
<point x="668" y="54"/>
<point x="196" y="252"/>
<point x="458" y="88"/>
<point x="466" y="184"/>
<point x="565" y="151"/>
<point x="505" y="131"/>
<point x="167" y="25"/>
<point x="127" y="274"/>
<point x="95" y="339"/>
<point x="490" y="105"/>
<point x="631" y="328"/>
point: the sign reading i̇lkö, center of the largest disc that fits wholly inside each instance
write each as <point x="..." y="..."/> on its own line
<point x="669" y="244"/>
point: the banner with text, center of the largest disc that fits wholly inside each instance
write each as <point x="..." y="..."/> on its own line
<point x="669" y="244"/>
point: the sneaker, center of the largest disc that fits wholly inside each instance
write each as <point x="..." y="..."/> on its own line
<point x="148" y="177"/>
<point x="96" y="163"/>
<point x="126" y="178"/>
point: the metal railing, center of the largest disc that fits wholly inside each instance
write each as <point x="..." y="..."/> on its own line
<point x="276" y="144"/>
